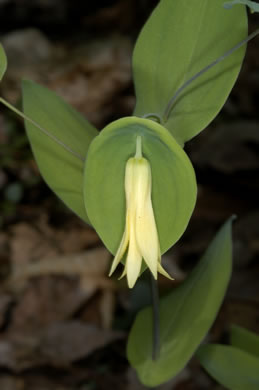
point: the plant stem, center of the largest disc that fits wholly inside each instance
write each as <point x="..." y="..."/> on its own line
<point x="204" y="70"/>
<point x="44" y="131"/>
<point x="156" y="324"/>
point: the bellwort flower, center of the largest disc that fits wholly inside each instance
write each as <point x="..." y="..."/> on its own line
<point x="140" y="235"/>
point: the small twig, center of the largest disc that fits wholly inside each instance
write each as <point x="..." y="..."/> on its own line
<point x="156" y="324"/>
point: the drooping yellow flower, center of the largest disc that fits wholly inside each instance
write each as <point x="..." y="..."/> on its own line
<point x="140" y="235"/>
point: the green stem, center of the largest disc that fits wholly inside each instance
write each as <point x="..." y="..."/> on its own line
<point x="138" y="147"/>
<point x="153" y="115"/>
<point x="26" y="118"/>
<point x="204" y="70"/>
<point x="156" y="322"/>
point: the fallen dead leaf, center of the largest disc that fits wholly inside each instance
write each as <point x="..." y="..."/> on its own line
<point x="64" y="343"/>
<point x="91" y="266"/>
<point x="89" y="77"/>
<point x="57" y="345"/>
<point x="40" y="240"/>
<point x="28" y="244"/>
<point x="54" y="293"/>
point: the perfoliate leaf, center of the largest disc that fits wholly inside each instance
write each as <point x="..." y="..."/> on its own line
<point x="251" y="4"/>
<point x="178" y="40"/>
<point x="61" y="170"/>
<point x="173" y="180"/>
<point x="231" y="367"/>
<point x="186" y="315"/>
<point x="3" y="62"/>
<point x="244" y="339"/>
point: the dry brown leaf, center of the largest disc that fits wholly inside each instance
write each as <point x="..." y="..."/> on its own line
<point x="91" y="265"/>
<point x="89" y="76"/>
<point x="57" y="345"/>
<point x="64" y="343"/>
<point x="54" y="293"/>
<point x="44" y="301"/>
<point x="29" y="244"/>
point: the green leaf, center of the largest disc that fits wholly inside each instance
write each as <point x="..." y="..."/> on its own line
<point x="186" y="315"/>
<point x="62" y="171"/>
<point x="251" y="4"/>
<point x="3" y="62"/>
<point x="244" y="339"/>
<point x="231" y="367"/>
<point x="173" y="180"/>
<point x="178" y="41"/>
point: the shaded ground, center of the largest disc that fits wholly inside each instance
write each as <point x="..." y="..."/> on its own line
<point x="63" y="323"/>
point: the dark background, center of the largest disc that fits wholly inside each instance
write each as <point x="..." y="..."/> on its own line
<point x="63" y="323"/>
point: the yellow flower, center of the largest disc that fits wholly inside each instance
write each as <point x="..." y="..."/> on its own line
<point x="140" y="235"/>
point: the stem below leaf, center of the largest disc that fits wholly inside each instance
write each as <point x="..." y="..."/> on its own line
<point x="156" y="322"/>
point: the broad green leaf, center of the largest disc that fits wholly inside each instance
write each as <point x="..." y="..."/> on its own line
<point x="62" y="171"/>
<point x="230" y="366"/>
<point x="3" y="62"/>
<point x="178" y="41"/>
<point x="251" y="4"/>
<point x="186" y="315"/>
<point x="244" y="339"/>
<point x="173" y="180"/>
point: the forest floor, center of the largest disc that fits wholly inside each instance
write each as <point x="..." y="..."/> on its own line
<point x="63" y="322"/>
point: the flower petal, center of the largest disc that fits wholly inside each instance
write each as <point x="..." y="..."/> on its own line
<point x="129" y="187"/>
<point x="120" y="252"/>
<point x="146" y="231"/>
<point x="147" y="237"/>
<point x="162" y="271"/>
<point x="134" y="258"/>
<point x="140" y="235"/>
